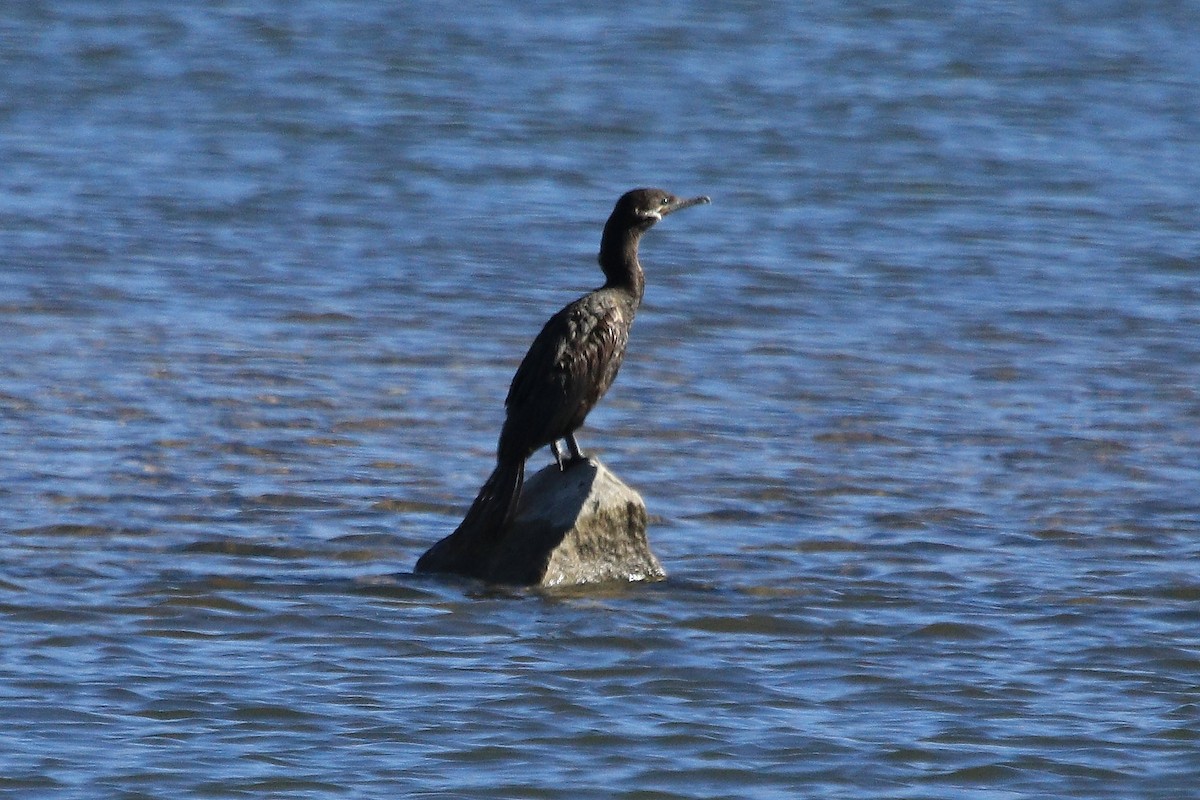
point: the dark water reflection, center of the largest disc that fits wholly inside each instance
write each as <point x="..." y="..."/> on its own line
<point x="914" y="403"/>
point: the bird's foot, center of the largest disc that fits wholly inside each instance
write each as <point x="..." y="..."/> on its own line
<point x="574" y="454"/>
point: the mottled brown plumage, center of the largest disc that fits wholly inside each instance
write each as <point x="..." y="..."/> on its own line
<point x="569" y="367"/>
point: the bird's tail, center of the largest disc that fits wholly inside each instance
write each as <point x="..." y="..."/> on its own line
<point x="468" y="550"/>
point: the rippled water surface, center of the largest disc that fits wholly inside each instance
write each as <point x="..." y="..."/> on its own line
<point x="914" y="404"/>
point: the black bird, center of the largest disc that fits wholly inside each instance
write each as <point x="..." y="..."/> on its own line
<point x="568" y="368"/>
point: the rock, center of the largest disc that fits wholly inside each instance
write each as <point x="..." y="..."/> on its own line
<point x="581" y="525"/>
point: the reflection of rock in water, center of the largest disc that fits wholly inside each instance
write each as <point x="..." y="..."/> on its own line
<point x="583" y="525"/>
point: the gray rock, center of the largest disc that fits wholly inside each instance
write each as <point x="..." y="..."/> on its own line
<point x="582" y="525"/>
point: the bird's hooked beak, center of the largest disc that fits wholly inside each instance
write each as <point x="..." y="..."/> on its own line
<point x="678" y="204"/>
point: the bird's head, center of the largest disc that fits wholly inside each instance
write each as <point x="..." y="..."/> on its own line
<point x="639" y="209"/>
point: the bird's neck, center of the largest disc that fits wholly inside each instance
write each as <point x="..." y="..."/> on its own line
<point x="619" y="260"/>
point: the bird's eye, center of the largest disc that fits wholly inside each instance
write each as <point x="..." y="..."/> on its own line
<point x="664" y="201"/>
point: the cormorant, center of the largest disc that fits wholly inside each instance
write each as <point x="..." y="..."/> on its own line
<point x="568" y="368"/>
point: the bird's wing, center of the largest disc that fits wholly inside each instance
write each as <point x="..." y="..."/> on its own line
<point x="568" y="368"/>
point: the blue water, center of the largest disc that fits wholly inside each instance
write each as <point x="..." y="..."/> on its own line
<point x="914" y="403"/>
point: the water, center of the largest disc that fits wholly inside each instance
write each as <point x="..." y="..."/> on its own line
<point x="914" y="403"/>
